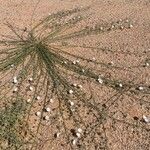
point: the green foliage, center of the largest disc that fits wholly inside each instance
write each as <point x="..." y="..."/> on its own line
<point x="10" y="119"/>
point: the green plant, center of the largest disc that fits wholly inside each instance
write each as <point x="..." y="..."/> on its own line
<point x="42" y="54"/>
<point x="10" y="123"/>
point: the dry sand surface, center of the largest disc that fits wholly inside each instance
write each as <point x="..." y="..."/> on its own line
<point x="127" y="131"/>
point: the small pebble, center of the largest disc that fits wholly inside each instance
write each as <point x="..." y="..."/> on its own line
<point x="120" y="85"/>
<point x="38" y="97"/>
<point x="112" y="26"/>
<point x="74" y="84"/>
<point x="70" y="91"/>
<point x="74" y="62"/>
<point x="141" y="88"/>
<point x="74" y="142"/>
<point x="127" y="20"/>
<point x="79" y="130"/>
<point x="15" y="80"/>
<point x="100" y="80"/>
<point x="101" y="28"/>
<point x="46" y="118"/>
<point x="12" y="65"/>
<point x="93" y="58"/>
<point x="146" y="119"/>
<point x="28" y="100"/>
<point x="25" y="29"/>
<point x="57" y="135"/>
<point x="83" y="70"/>
<point x="65" y="62"/>
<point x="147" y="64"/>
<point x="31" y="88"/>
<point x="79" y="86"/>
<point x="130" y="26"/>
<point x="51" y="100"/>
<point x="121" y="27"/>
<point x="71" y="103"/>
<point x="111" y="63"/>
<point x="47" y="109"/>
<point x="38" y="113"/>
<point x="135" y="118"/>
<point x="30" y="79"/>
<point x="72" y="109"/>
<point x="77" y="61"/>
<point x="78" y="135"/>
<point x="15" y="90"/>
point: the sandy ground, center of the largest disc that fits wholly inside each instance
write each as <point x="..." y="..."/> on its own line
<point x="26" y="13"/>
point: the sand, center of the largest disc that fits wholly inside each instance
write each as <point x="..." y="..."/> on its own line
<point x="119" y="135"/>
